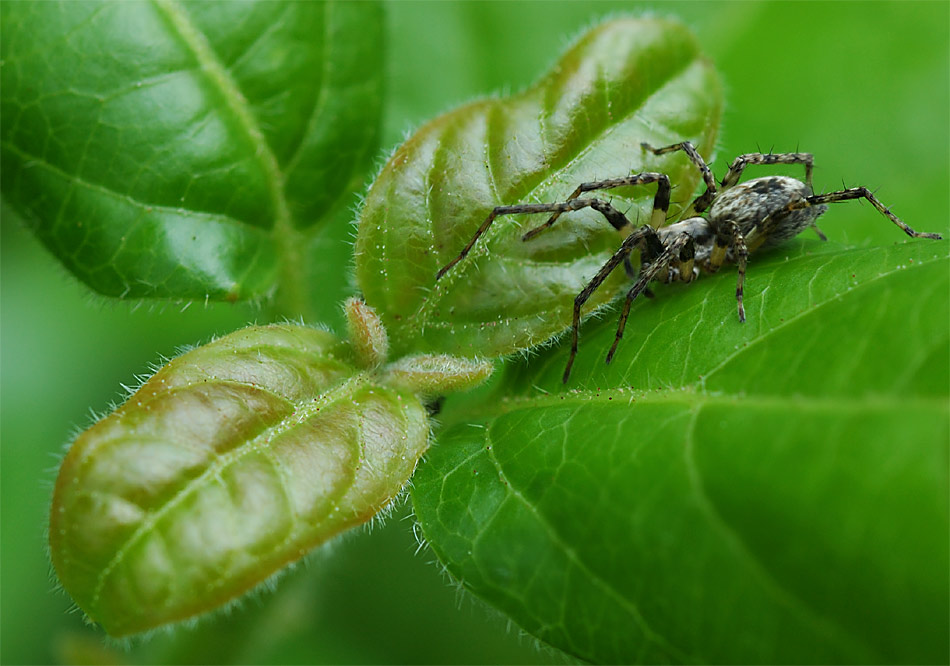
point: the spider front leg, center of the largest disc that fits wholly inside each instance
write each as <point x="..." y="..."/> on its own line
<point x="650" y="245"/>
<point x="685" y="261"/>
<point x="703" y="201"/>
<point x="661" y="202"/>
<point x="740" y="163"/>
<point x="742" y="259"/>
<point x="614" y="216"/>
<point x="859" y="193"/>
<point x="647" y="274"/>
<point x="729" y="235"/>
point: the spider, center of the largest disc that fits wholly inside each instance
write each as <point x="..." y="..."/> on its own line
<point x="739" y="219"/>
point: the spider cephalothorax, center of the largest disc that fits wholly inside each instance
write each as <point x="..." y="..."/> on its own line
<point x="725" y="223"/>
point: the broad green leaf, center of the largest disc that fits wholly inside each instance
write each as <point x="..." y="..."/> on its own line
<point x="624" y="82"/>
<point x="774" y="491"/>
<point x="188" y="150"/>
<point x="230" y="462"/>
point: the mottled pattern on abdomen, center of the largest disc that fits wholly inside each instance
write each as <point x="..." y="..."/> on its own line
<point x="762" y="201"/>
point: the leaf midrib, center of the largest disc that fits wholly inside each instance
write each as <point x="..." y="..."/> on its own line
<point x="302" y="412"/>
<point x="624" y="398"/>
<point x="287" y="240"/>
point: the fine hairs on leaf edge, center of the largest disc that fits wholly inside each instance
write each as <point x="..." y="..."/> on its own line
<point x="567" y="41"/>
<point x="464" y="597"/>
<point x="255" y="594"/>
<point x="152" y="304"/>
<point x="100" y="302"/>
<point x="75" y="431"/>
<point x="268" y="584"/>
<point x="51" y="473"/>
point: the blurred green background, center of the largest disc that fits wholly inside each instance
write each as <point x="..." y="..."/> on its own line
<point x="865" y="86"/>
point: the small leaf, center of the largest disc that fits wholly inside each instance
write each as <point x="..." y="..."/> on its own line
<point x="187" y="150"/>
<point x="367" y="335"/>
<point x="774" y="491"/>
<point x="431" y="375"/>
<point x="624" y="82"/>
<point x="230" y="462"/>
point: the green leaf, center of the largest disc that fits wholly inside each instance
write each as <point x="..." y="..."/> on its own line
<point x="774" y="491"/>
<point x="188" y="150"/>
<point x="230" y="462"/>
<point x="624" y="82"/>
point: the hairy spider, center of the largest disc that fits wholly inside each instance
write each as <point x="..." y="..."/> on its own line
<point x="739" y="219"/>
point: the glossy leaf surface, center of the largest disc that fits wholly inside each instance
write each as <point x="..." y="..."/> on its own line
<point x="774" y="491"/>
<point x="187" y="150"/>
<point x="622" y="83"/>
<point x="230" y="462"/>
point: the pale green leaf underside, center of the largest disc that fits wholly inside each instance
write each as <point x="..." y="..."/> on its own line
<point x="774" y="491"/>
<point x="230" y="462"/>
<point x="624" y="82"/>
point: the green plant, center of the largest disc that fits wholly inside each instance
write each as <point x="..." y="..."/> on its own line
<point x="547" y="470"/>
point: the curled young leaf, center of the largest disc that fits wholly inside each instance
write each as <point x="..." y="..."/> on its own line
<point x="625" y="82"/>
<point x="187" y="150"/>
<point x="230" y="462"/>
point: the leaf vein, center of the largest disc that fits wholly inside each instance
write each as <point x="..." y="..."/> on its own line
<point x="284" y="233"/>
<point x="322" y="94"/>
<point x="815" y="305"/>
<point x="831" y="630"/>
<point x="596" y="578"/>
<point x="259" y="442"/>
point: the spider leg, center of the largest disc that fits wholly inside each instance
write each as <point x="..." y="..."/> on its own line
<point x="730" y="235"/>
<point x="661" y="202"/>
<point x="703" y="201"/>
<point x="740" y="163"/>
<point x="628" y="267"/>
<point x="859" y="193"/>
<point x="723" y="239"/>
<point x="742" y="259"/>
<point x="647" y="274"/>
<point x="686" y="260"/>
<point x="614" y="216"/>
<point x="646" y="239"/>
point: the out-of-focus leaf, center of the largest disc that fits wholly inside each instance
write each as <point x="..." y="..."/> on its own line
<point x="774" y="491"/>
<point x="230" y="462"/>
<point x="188" y="150"/>
<point x="624" y="82"/>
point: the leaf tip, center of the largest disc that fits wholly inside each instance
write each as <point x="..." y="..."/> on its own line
<point x="367" y="334"/>
<point x="434" y="374"/>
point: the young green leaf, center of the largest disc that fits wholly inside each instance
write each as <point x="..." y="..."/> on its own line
<point x="230" y="462"/>
<point x="774" y="491"/>
<point x="432" y="375"/>
<point x="367" y="335"/>
<point x="188" y="150"/>
<point x="624" y="82"/>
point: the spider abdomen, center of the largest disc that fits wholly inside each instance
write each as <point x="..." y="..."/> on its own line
<point x="763" y="203"/>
